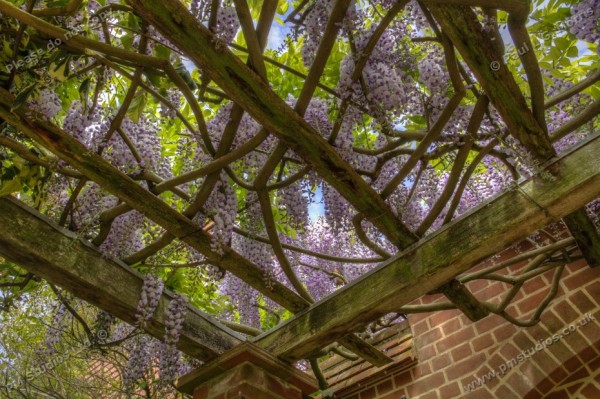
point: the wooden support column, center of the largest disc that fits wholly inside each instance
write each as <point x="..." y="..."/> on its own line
<point x="247" y="372"/>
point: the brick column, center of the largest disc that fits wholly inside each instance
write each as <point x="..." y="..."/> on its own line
<point x="247" y="372"/>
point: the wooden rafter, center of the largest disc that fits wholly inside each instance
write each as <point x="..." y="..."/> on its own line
<point x="246" y="89"/>
<point x="35" y="243"/>
<point x="437" y="259"/>
<point x="527" y="125"/>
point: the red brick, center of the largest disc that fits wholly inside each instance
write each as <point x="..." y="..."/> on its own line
<point x="414" y="318"/>
<point x="591" y="332"/>
<point x="429" y="337"/>
<point x="572" y="389"/>
<point x="450" y="390"/>
<point x="419" y="328"/>
<point x="461" y="352"/>
<point x="562" y="394"/>
<point x="451" y="326"/>
<point x="552" y="322"/>
<point x="439" y="318"/>
<point x="593" y="290"/>
<point x="509" y="351"/>
<point x="402" y="379"/>
<point x="590" y="391"/>
<point x="533" y="285"/>
<point x="483" y="342"/>
<point x="534" y="394"/>
<point x="581" y="278"/>
<point x="522" y="341"/>
<point x="519" y="383"/>
<point x="537" y="332"/>
<point x="582" y="302"/>
<point x="420" y="370"/>
<point x="424" y="385"/>
<point x="504" y="392"/>
<point x="368" y="393"/>
<point x="488" y="324"/>
<point x="430" y="395"/>
<point x="396" y="395"/>
<point x="566" y="312"/>
<point x="466" y="368"/>
<point x="493" y="291"/>
<point x="572" y="364"/>
<point x="426" y="353"/>
<point x="504" y="332"/>
<point x="465" y="335"/>
<point x="440" y="362"/>
<point x="531" y="302"/>
<point x="587" y="354"/>
<point x="545" y="361"/>
<point x="480" y="393"/>
<point x="559" y="374"/>
<point x="385" y="387"/>
<point x="545" y="385"/>
<point x="477" y="285"/>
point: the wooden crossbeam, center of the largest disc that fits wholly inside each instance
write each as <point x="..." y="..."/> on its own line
<point x="437" y="259"/>
<point x="481" y="54"/>
<point x="115" y="182"/>
<point x="245" y="88"/>
<point x="33" y="242"/>
<point x="95" y="168"/>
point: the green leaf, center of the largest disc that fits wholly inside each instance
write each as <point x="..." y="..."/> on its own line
<point x="10" y="187"/>
<point x="573" y="52"/>
<point x="24" y="95"/>
<point x="137" y="107"/>
<point x="162" y="51"/>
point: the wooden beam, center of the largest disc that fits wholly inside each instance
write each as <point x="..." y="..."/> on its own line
<point x="438" y="258"/>
<point x="480" y="52"/>
<point x="117" y="183"/>
<point x="365" y="350"/>
<point x="33" y="242"/>
<point x="483" y="58"/>
<point x="248" y="90"/>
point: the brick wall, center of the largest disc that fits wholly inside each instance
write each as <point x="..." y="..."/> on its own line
<point x="454" y="352"/>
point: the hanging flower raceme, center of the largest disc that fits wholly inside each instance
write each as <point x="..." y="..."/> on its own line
<point x="151" y="292"/>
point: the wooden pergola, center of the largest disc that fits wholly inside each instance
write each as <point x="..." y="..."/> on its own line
<point x="423" y="264"/>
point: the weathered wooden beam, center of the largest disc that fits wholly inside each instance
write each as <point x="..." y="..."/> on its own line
<point x="365" y="350"/>
<point x="438" y="258"/>
<point x="464" y="300"/>
<point x="480" y="52"/>
<point x="518" y="8"/>
<point x="98" y="170"/>
<point x="33" y="242"/>
<point x="246" y="88"/>
<point x="483" y="58"/>
<point x="95" y="168"/>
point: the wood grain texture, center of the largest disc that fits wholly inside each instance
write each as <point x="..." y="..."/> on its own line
<point x="31" y="241"/>
<point x="437" y="259"/>
<point x="246" y="89"/>
<point x="95" y="168"/>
